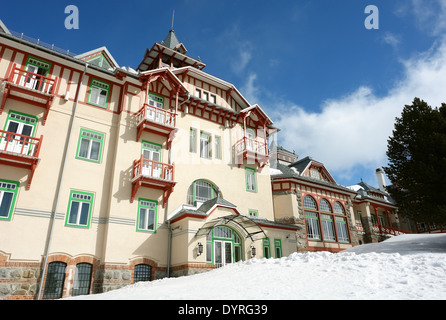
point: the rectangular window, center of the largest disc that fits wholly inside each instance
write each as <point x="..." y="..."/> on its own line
<point x="341" y="228"/>
<point x="79" y="209"/>
<point x="205" y="145"/>
<point x="328" y="227"/>
<point x="312" y="223"/>
<point x="198" y="93"/>
<point x="34" y="80"/>
<point x="152" y="159"/>
<point x="278" y="248"/>
<point x="193" y="140"/>
<point x="90" y="145"/>
<point x="251" y="184"/>
<point x="147" y="214"/>
<point x="253" y="213"/>
<point x="19" y="126"/>
<point x="266" y="248"/>
<point x="155" y="100"/>
<point x="8" y="194"/>
<point x="98" y="95"/>
<point x="213" y="99"/>
<point x="82" y="279"/>
<point x="217" y="147"/>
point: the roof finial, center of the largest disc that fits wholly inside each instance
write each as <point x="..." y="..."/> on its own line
<point x="173" y="19"/>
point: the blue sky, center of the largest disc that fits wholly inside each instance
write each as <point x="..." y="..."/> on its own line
<point x="332" y="86"/>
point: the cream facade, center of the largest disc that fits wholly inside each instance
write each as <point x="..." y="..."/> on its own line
<point x="109" y="176"/>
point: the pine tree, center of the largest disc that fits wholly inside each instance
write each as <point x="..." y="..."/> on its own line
<point x="417" y="163"/>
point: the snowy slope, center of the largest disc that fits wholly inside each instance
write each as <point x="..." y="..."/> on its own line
<point x="408" y="267"/>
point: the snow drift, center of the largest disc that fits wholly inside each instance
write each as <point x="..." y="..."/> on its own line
<point x="407" y="267"/>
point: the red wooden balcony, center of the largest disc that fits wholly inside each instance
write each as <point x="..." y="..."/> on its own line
<point x="153" y="174"/>
<point x="31" y="88"/>
<point x="252" y="151"/>
<point x="380" y="229"/>
<point x="156" y="120"/>
<point x="20" y="151"/>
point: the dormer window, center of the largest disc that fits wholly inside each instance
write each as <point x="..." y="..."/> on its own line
<point x="315" y="174"/>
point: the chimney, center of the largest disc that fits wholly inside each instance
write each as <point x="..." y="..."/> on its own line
<point x="381" y="179"/>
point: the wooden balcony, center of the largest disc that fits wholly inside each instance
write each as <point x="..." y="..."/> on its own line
<point x="156" y="120"/>
<point x="153" y="174"/>
<point x="380" y="229"/>
<point x="20" y="151"/>
<point x="31" y="88"/>
<point x="251" y="150"/>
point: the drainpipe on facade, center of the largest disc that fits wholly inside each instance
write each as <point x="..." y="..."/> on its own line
<point x="53" y="214"/>
<point x="169" y="247"/>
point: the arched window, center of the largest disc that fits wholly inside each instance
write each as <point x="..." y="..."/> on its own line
<point x="223" y="246"/>
<point x="341" y="222"/>
<point x="311" y="218"/>
<point x="82" y="279"/>
<point x="143" y="272"/>
<point x="327" y="221"/>
<point x="310" y="203"/>
<point x="201" y="191"/>
<point x="324" y="205"/>
<point x="55" y="278"/>
<point x="338" y="208"/>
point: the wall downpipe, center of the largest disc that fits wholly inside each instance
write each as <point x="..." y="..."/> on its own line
<point x="53" y="213"/>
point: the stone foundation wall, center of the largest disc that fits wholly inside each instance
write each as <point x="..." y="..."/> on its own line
<point x="21" y="280"/>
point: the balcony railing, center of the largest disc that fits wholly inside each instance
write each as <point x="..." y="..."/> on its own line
<point x="20" y="145"/>
<point x="388" y="230"/>
<point x="154" y="114"/>
<point x="251" y="145"/>
<point x="153" y="169"/>
<point x="33" y="81"/>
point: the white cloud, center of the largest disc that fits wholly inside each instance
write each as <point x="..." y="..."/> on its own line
<point x="430" y="15"/>
<point x="352" y="131"/>
<point x="392" y="39"/>
<point x="250" y="90"/>
<point x="242" y="59"/>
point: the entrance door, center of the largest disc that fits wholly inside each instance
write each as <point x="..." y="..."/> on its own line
<point x="223" y="253"/>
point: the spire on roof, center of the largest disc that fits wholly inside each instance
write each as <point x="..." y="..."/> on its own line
<point x="171" y="41"/>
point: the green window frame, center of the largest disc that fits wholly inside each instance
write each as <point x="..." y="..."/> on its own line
<point x="278" y="248"/>
<point x="201" y="191"/>
<point x="147" y="215"/>
<point x="225" y="234"/>
<point x="90" y="145"/>
<point x="253" y="213"/>
<point x="20" y="118"/>
<point x="80" y="206"/>
<point x="98" y="93"/>
<point x="42" y="65"/>
<point x="250" y="180"/>
<point x="8" y="196"/>
<point x="266" y="248"/>
<point x="100" y="61"/>
<point x="155" y="100"/>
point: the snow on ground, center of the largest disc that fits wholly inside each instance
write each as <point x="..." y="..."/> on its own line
<point x="407" y="267"/>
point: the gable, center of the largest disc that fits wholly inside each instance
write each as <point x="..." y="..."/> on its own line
<point x="317" y="171"/>
<point x="100" y="57"/>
